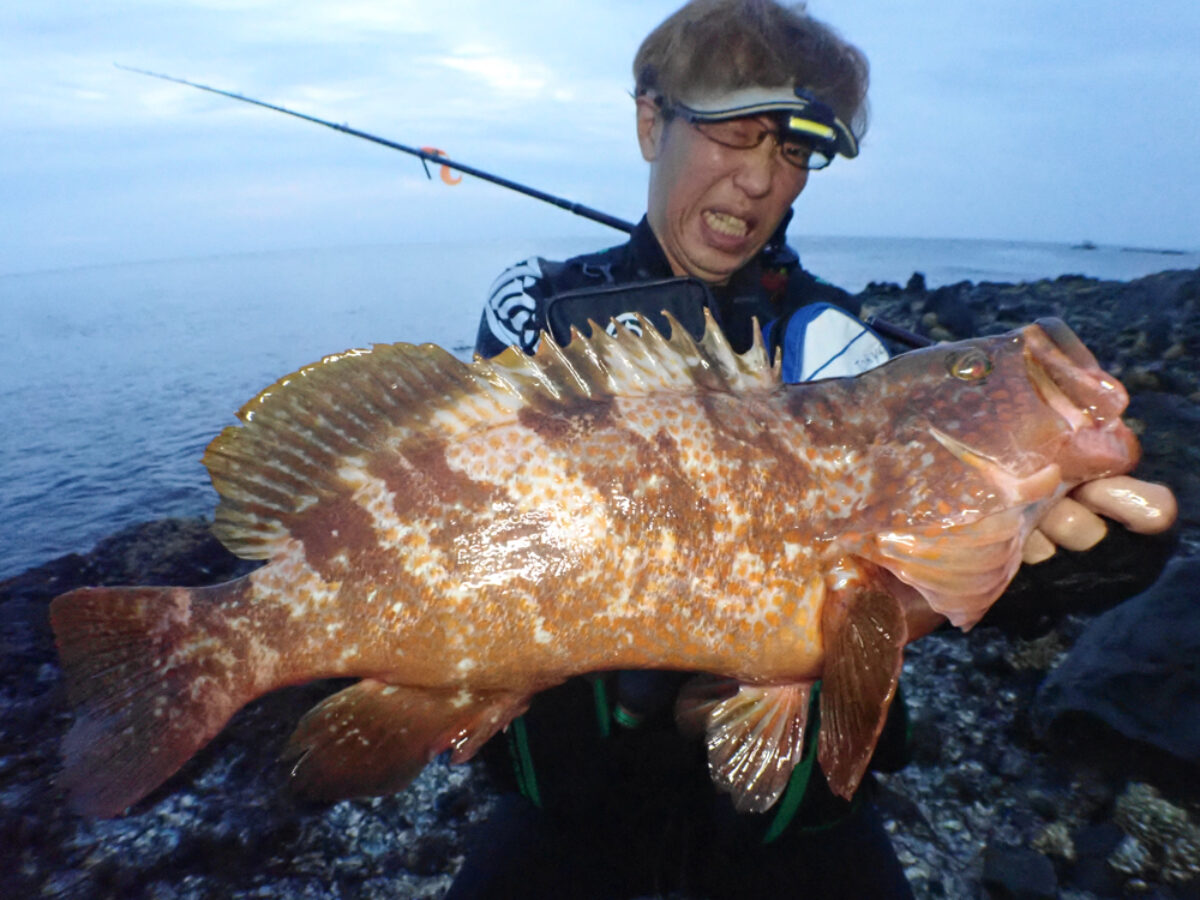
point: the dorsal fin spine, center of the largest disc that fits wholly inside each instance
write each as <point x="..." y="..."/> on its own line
<point x="557" y="358"/>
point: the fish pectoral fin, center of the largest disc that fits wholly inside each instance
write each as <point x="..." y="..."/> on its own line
<point x="374" y="738"/>
<point x="865" y="633"/>
<point x="754" y="734"/>
<point x="960" y="571"/>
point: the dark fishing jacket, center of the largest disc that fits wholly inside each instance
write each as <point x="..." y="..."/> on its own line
<point x="541" y="295"/>
<point x="605" y="746"/>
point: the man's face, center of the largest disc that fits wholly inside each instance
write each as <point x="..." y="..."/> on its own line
<point x="712" y="207"/>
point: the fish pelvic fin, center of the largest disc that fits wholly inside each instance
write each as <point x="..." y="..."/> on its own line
<point x="373" y="738"/>
<point x="754" y="735"/>
<point x="865" y="633"/>
<point x="308" y="438"/>
<point x="148" y="685"/>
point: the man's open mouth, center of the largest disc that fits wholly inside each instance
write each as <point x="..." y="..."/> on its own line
<point x="724" y="223"/>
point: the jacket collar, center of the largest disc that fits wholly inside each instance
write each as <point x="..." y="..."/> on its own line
<point x="650" y="261"/>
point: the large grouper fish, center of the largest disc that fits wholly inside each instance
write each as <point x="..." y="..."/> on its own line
<point x="461" y="536"/>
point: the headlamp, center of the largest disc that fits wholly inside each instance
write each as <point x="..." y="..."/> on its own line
<point x="801" y="115"/>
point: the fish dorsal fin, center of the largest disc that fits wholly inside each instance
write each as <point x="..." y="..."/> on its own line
<point x="629" y="363"/>
<point x="298" y="435"/>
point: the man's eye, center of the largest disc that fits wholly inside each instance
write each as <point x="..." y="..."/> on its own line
<point x="796" y="152"/>
<point x="742" y="134"/>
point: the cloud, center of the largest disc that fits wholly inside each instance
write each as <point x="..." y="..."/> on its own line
<point x="507" y="78"/>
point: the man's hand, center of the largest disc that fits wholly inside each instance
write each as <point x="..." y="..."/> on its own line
<point x="1141" y="506"/>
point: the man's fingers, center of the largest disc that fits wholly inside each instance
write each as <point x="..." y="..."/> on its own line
<point x="1072" y="525"/>
<point x="1141" y="506"/>
<point x="1038" y="548"/>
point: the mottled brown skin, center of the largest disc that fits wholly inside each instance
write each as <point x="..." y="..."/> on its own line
<point x="472" y="535"/>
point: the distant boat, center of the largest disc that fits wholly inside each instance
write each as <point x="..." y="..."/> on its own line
<point x="1084" y="245"/>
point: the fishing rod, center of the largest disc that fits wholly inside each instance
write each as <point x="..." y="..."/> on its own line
<point x="887" y="329"/>
<point x="896" y="333"/>
<point x="425" y="155"/>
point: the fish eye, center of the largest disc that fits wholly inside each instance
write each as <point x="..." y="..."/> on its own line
<point x="969" y="365"/>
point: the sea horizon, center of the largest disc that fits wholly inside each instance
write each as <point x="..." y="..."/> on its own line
<point x="598" y="240"/>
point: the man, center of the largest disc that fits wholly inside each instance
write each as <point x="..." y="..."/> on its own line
<point x="738" y="102"/>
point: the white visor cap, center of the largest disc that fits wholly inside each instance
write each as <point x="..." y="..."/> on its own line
<point x="807" y="117"/>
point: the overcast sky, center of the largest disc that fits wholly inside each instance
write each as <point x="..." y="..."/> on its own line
<point x="1013" y="119"/>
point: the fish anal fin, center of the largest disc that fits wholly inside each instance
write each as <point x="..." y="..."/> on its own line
<point x="754" y="734"/>
<point x="373" y="738"/>
<point x="865" y="633"/>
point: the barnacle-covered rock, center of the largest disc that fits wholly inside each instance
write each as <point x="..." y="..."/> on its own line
<point x="1168" y="839"/>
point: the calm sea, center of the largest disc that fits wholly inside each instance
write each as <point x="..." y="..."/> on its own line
<point x="114" y="379"/>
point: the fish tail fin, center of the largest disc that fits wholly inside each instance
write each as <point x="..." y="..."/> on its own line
<point x="148" y="684"/>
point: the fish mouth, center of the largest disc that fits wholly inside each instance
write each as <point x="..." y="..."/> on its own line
<point x="1068" y="377"/>
<point x="1070" y="381"/>
<point x="1087" y="401"/>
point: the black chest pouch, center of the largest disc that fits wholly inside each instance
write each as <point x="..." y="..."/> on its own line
<point x="684" y="298"/>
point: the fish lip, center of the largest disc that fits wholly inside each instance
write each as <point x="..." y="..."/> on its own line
<point x="1067" y="341"/>
<point x="1068" y="377"/>
<point x="1050" y="393"/>
<point x="1069" y="380"/>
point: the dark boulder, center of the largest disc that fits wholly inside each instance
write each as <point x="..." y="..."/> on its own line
<point x="950" y="307"/>
<point x="1137" y="667"/>
<point x="1014" y="873"/>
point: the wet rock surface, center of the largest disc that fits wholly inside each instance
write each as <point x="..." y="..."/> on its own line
<point x="991" y="806"/>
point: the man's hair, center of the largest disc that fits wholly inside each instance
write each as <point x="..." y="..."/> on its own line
<point x="723" y="45"/>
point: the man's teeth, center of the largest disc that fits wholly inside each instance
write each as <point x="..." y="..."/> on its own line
<point x="725" y="223"/>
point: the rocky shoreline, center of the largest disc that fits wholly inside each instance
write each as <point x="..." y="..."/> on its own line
<point x="1056" y="746"/>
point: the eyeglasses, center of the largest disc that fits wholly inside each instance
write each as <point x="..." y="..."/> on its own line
<point x="746" y="133"/>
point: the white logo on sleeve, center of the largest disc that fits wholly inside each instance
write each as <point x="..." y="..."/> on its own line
<point x="823" y="341"/>
<point x="510" y="312"/>
<point x="628" y="321"/>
